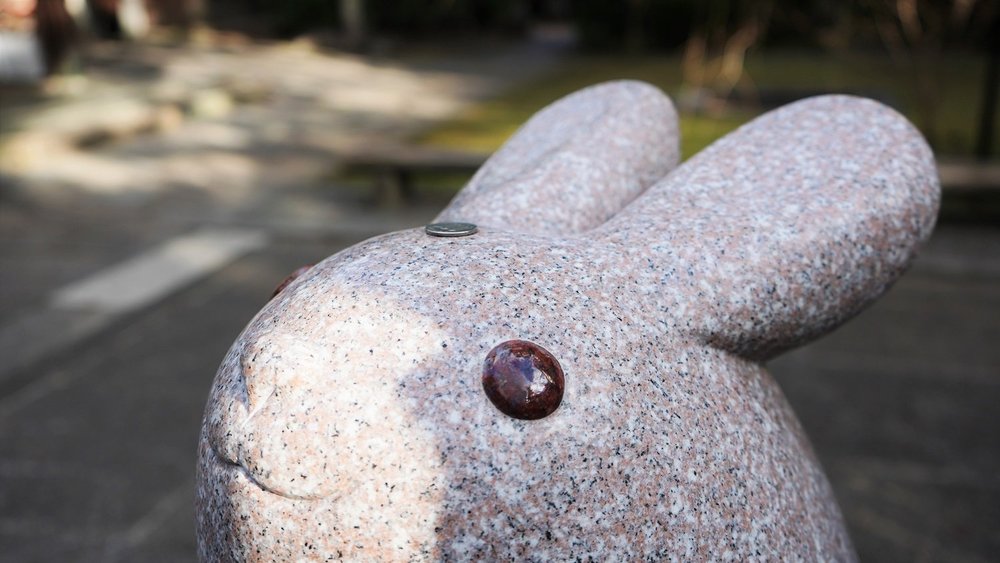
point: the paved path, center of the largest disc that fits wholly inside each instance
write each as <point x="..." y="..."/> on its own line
<point x="97" y="458"/>
<point x="901" y="405"/>
<point x="245" y="135"/>
<point x="98" y="448"/>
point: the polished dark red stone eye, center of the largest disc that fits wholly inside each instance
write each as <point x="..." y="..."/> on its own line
<point x="289" y="279"/>
<point x="523" y="380"/>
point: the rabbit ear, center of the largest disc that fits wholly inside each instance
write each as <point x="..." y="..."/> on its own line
<point x="786" y="227"/>
<point x="574" y="164"/>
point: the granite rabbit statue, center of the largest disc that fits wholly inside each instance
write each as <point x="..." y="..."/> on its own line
<point x="581" y="378"/>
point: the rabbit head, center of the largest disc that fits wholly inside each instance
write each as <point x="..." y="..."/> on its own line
<point x="354" y="416"/>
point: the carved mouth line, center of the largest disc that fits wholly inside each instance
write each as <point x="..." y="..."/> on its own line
<point x="236" y="466"/>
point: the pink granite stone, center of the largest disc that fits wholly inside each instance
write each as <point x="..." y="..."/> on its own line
<point x="349" y="419"/>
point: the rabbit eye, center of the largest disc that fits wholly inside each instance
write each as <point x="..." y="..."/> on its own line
<point x="289" y="279"/>
<point x="523" y="380"/>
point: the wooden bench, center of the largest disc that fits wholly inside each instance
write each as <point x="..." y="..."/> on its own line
<point x="969" y="175"/>
<point x="395" y="166"/>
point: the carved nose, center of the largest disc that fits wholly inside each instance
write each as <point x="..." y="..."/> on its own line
<point x="274" y="362"/>
<point x="285" y="439"/>
<point x="313" y="410"/>
<point x="257" y="368"/>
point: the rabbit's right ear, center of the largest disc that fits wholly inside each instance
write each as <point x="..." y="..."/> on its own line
<point x="784" y="228"/>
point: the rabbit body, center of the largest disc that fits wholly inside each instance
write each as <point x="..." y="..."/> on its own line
<point x="349" y="420"/>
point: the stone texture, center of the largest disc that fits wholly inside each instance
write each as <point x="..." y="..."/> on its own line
<point x="349" y="420"/>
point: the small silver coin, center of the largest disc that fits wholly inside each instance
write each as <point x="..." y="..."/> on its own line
<point x="451" y="229"/>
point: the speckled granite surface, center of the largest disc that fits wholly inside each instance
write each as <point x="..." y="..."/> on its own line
<point x="349" y="420"/>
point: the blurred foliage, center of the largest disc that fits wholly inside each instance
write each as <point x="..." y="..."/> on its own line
<point x="274" y="18"/>
<point x="296" y="16"/>
<point x="649" y="25"/>
<point x="289" y="18"/>
<point x="487" y="125"/>
<point x="722" y="49"/>
<point x="444" y="16"/>
<point x="657" y="25"/>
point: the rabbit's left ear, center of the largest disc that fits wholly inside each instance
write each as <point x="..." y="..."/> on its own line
<point x="785" y="228"/>
<point x="575" y="163"/>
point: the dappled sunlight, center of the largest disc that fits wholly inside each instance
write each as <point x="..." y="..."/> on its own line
<point x="225" y="174"/>
<point x="389" y="101"/>
<point x="218" y="120"/>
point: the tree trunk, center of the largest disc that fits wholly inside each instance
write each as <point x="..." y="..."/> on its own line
<point x="988" y="112"/>
<point x="352" y="16"/>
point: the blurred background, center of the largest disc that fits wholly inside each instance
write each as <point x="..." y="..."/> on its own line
<point x="164" y="164"/>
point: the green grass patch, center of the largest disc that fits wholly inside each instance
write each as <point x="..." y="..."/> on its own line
<point x="951" y="127"/>
<point x="428" y="187"/>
